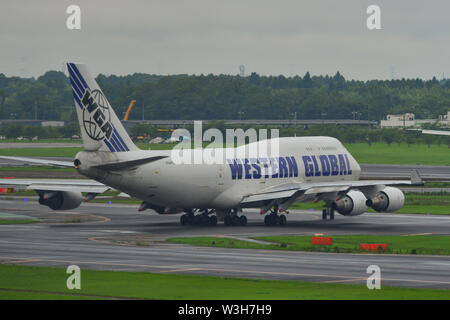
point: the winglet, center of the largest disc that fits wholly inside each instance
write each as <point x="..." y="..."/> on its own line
<point x="415" y="178"/>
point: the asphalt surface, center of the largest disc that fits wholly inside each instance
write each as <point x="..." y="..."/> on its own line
<point x="383" y="171"/>
<point x="117" y="237"/>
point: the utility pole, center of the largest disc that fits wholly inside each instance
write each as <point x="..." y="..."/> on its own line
<point x="295" y="123"/>
<point x="323" y="114"/>
<point x="35" y="110"/>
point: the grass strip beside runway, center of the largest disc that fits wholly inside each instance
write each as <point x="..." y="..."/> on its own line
<point x="377" y="153"/>
<point x="420" y="244"/>
<point x="17" y="221"/>
<point x="26" y="282"/>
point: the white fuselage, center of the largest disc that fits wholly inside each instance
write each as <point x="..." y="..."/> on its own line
<point x="223" y="186"/>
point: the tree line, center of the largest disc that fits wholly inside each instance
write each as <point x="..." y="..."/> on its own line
<point x="216" y="97"/>
<point x="345" y="133"/>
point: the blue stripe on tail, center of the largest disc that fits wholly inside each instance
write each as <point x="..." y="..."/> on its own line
<point x="79" y="87"/>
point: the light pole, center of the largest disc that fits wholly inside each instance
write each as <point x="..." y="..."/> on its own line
<point x="295" y="122"/>
<point x="323" y="114"/>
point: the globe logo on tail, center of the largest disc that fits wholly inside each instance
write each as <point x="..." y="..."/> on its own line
<point x="96" y="115"/>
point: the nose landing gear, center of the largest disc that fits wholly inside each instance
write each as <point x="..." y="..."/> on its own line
<point x="328" y="212"/>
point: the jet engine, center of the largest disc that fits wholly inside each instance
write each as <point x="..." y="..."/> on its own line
<point x="60" y="200"/>
<point x="352" y="204"/>
<point x="387" y="200"/>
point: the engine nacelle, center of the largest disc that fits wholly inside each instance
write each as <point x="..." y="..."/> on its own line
<point x="387" y="200"/>
<point x="352" y="204"/>
<point x="60" y="200"/>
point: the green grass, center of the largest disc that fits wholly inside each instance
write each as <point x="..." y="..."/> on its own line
<point x="49" y="281"/>
<point x="435" y="245"/>
<point x="436" y="184"/>
<point x="377" y="153"/>
<point x="23" y="295"/>
<point x="381" y="153"/>
<point x="424" y="209"/>
<point x="41" y="152"/>
<point x="37" y="169"/>
<point x="62" y="140"/>
<point x="17" y="221"/>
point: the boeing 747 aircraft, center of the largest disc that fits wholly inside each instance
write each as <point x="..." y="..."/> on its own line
<point x="305" y="169"/>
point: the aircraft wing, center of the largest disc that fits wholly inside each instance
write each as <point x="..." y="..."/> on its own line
<point x="80" y="185"/>
<point x="65" y="164"/>
<point x="291" y="190"/>
<point x="437" y="132"/>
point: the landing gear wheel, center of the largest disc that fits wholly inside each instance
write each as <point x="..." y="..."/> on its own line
<point x="190" y="218"/>
<point x="282" y="220"/>
<point x="213" y="220"/>
<point x="331" y="214"/>
<point x="271" y="219"/>
<point x="243" y="220"/>
<point x="197" y="220"/>
<point x="183" y="220"/>
<point x="235" y="221"/>
<point x="324" y="214"/>
<point x="227" y="220"/>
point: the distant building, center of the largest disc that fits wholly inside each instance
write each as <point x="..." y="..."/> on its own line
<point x="408" y="120"/>
<point x="42" y="123"/>
<point x="52" y="123"/>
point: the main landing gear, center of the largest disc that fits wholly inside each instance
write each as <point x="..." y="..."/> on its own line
<point x="328" y="212"/>
<point x="273" y="218"/>
<point x="232" y="219"/>
<point x="200" y="219"/>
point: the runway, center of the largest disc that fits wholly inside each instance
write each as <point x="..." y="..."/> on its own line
<point x="107" y="234"/>
<point x="391" y="171"/>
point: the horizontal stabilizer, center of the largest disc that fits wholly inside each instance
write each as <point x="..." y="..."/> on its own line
<point x="81" y="185"/>
<point x="127" y="164"/>
<point x="43" y="162"/>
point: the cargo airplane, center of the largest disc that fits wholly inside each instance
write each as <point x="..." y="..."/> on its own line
<point x="306" y="169"/>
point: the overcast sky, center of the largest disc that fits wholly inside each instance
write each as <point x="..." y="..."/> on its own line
<point x="208" y="36"/>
